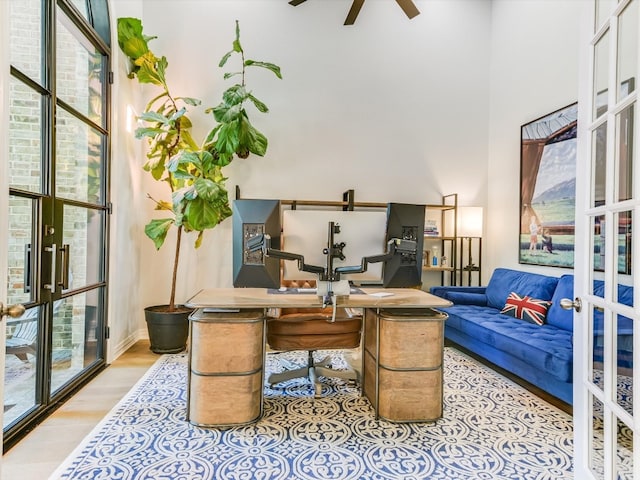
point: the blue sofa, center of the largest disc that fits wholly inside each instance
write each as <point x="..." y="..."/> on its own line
<point x="540" y="354"/>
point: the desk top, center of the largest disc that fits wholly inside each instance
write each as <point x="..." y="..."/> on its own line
<point x="261" y="298"/>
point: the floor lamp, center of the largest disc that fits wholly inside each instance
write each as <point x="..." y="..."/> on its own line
<point x="469" y="230"/>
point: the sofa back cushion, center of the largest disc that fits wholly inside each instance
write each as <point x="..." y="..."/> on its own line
<point x="558" y="316"/>
<point x="561" y="318"/>
<point x="504" y="281"/>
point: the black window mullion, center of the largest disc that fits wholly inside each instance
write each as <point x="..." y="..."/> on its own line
<point x="49" y="107"/>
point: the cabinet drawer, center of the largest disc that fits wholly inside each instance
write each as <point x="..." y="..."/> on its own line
<point x="227" y="345"/>
<point x="410" y="396"/>
<point x="218" y="400"/>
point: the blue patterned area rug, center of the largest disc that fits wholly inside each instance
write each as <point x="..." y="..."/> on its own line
<point x="491" y="429"/>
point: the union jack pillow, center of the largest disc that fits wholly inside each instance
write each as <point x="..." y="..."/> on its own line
<point x="526" y="308"/>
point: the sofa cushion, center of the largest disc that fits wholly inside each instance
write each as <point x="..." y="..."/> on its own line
<point x="558" y="316"/>
<point x="504" y="281"/>
<point x="463" y="298"/>
<point x="545" y="347"/>
<point x="525" y="308"/>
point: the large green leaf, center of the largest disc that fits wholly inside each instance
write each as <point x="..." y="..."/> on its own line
<point x="181" y="158"/>
<point x="230" y="114"/>
<point x="154" y="117"/>
<point x="269" y="66"/>
<point x="187" y="139"/>
<point x="156" y="168"/>
<point x="259" y="105"/>
<point x="194" y="102"/>
<point x="224" y="58"/>
<point x="259" y="145"/>
<point x="157" y="230"/>
<point x="229" y="75"/>
<point x="251" y="138"/>
<point x="178" y="114"/>
<point x="147" y="132"/>
<point x="202" y="214"/>
<point x="227" y="141"/>
<point x="234" y="95"/>
<point x="150" y="71"/>
<point x="206" y="162"/>
<point x="212" y="134"/>
<point x="130" y="38"/>
<point x="236" y="43"/>
<point x="207" y="189"/>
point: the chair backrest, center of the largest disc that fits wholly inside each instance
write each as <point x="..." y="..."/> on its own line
<point x="26" y="329"/>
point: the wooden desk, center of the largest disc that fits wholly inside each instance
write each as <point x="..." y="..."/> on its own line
<point x="402" y="354"/>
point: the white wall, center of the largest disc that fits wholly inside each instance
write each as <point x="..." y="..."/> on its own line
<point x="534" y="71"/>
<point x="127" y="273"/>
<point x="400" y="110"/>
<point x="395" y="108"/>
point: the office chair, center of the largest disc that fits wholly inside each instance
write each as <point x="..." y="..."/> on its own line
<point x="311" y="329"/>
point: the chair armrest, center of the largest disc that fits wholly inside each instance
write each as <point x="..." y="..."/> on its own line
<point x="462" y="295"/>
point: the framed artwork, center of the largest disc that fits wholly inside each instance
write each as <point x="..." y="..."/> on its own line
<point x="548" y="147"/>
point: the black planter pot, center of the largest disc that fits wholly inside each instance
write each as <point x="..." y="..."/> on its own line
<point x="168" y="331"/>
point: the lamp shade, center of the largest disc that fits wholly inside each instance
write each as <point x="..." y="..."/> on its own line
<point x="469" y="222"/>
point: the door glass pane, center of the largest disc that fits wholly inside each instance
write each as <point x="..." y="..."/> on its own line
<point x="78" y="159"/>
<point x="601" y="72"/>
<point x="78" y="71"/>
<point x="82" y="236"/>
<point x="624" y="451"/>
<point x="627" y="49"/>
<point x="21" y="239"/>
<point x="598" y="249"/>
<point x="624" y="135"/>
<point x="20" y="365"/>
<point x="598" y="338"/>
<point x="25" y="18"/>
<point x="599" y="149"/>
<point x="74" y="336"/>
<point x="623" y="220"/>
<point x="624" y="363"/>
<point x="81" y="5"/>
<point x="603" y="9"/>
<point x="25" y="138"/>
<point x="596" y="444"/>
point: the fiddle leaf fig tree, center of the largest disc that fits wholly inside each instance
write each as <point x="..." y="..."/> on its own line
<point x="192" y="171"/>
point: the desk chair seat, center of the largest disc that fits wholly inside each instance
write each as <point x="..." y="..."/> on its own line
<point x="311" y="330"/>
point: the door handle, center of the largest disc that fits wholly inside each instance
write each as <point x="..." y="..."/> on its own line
<point x="64" y="251"/>
<point x="27" y="268"/>
<point x="14" y="311"/>
<point x="568" y="304"/>
<point x="52" y="284"/>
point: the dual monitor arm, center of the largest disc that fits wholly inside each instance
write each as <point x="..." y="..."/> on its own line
<point x="329" y="273"/>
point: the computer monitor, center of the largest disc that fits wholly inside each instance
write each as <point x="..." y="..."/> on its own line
<point x="405" y="221"/>
<point x="305" y="232"/>
<point x="251" y="218"/>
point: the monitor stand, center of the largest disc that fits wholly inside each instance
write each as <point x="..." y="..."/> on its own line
<point x="330" y="289"/>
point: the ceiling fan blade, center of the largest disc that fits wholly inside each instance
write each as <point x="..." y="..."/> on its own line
<point x="408" y="7"/>
<point x="353" y="12"/>
<point x="295" y="3"/>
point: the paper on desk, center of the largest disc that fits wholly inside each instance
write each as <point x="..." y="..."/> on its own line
<point x="381" y="294"/>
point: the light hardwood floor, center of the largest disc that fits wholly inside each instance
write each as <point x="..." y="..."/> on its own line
<point x="38" y="455"/>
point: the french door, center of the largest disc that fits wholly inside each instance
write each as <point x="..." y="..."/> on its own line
<point x="607" y="335"/>
<point x="57" y="205"/>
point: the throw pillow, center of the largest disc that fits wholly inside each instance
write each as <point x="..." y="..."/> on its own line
<point x="526" y="308"/>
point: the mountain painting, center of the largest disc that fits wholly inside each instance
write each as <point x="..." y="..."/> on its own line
<point x="548" y="189"/>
